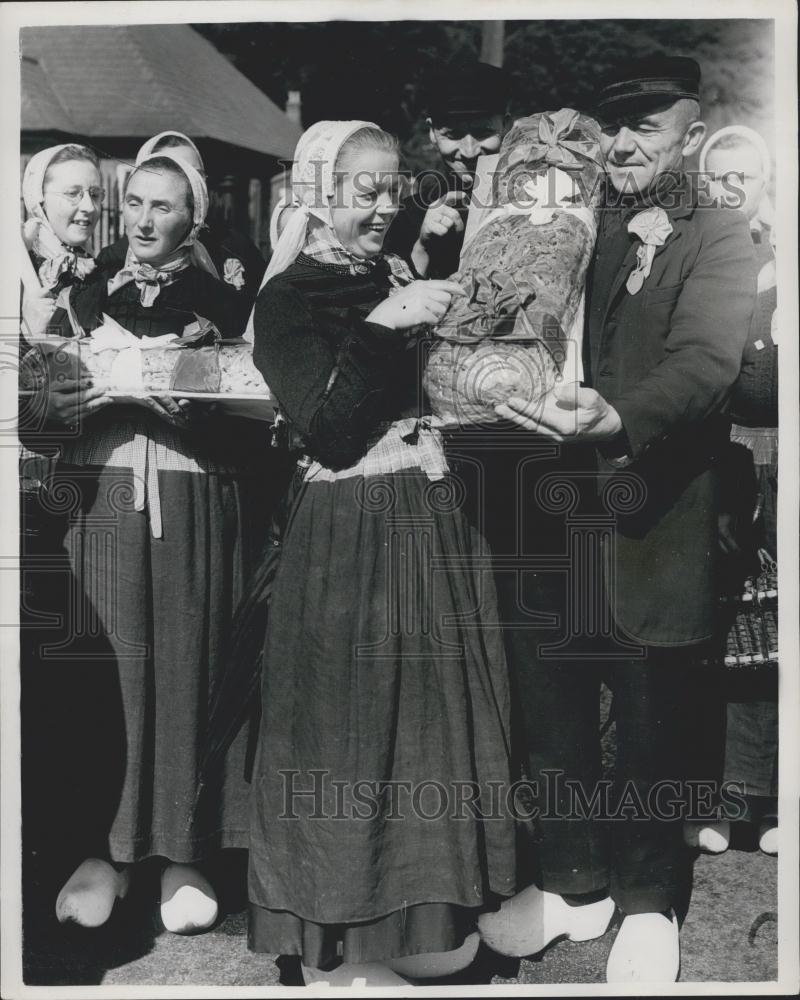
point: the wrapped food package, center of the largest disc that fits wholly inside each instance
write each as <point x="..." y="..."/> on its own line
<point x="130" y="368"/>
<point x="523" y="272"/>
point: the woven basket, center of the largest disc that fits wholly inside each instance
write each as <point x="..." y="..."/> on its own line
<point x="751" y="619"/>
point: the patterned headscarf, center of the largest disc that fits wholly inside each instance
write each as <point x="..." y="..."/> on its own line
<point x="150" y="279"/>
<point x="765" y="213"/>
<point x="149" y="147"/>
<point x="313" y="186"/>
<point x="59" y="259"/>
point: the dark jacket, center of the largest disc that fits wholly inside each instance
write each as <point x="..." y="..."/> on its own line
<point x="666" y="359"/>
<point x="336" y="375"/>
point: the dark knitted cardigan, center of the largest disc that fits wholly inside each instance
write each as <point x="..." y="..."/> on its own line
<point x="335" y="374"/>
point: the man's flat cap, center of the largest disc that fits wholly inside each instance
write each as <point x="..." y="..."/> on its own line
<point x="470" y="89"/>
<point x="647" y="83"/>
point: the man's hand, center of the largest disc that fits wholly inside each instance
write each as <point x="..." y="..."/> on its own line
<point x="440" y="218"/>
<point x="568" y="413"/>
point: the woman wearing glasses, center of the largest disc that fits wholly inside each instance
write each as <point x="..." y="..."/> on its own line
<point x="161" y="521"/>
<point x="62" y="191"/>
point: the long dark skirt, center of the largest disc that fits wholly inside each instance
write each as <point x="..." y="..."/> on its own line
<point x="385" y="717"/>
<point x="123" y="681"/>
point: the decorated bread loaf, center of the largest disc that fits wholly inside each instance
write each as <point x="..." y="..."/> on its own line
<point x="523" y="272"/>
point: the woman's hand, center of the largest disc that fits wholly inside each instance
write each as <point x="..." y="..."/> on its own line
<point x="176" y="412"/>
<point x="69" y="399"/>
<point x="419" y="302"/>
<point x="38" y="306"/>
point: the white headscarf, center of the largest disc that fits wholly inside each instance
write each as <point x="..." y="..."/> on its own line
<point x="149" y="279"/>
<point x="201" y="256"/>
<point x="765" y="213"/>
<point x="149" y="147"/>
<point x="38" y="233"/>
<point x="313" y="184"/>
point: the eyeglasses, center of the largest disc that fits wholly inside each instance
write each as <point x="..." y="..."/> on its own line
<point x="74" y="195"/>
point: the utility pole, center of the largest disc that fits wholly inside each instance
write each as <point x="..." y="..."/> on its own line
<point x="493" y="36"/>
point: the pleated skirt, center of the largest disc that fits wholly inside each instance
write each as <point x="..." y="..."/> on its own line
<point x="383" y="749"/>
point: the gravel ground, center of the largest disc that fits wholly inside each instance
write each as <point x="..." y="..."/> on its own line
<point x="729" y="894"/>
<point x="729" y="933"/>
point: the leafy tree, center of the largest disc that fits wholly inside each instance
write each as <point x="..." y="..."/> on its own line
<point x="381" y="71"/>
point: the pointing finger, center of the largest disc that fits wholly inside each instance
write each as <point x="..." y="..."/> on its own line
<point x="448" y="286"/>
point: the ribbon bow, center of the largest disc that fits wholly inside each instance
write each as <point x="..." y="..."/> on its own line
<point x="493" y="300"/>
<point x="53" y="269"/>
<point x="553" y="147"/>
<point x="652" y="226"/>
<point x="149" y="281"/>
<point x="59" y="259"/>
<point x="497" y="294"/>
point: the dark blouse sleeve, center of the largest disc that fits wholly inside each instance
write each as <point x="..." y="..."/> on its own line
<point x="334" y="397"/>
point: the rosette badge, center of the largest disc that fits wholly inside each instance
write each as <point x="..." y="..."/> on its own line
<point x="652" y="226"/>
<point x="233" y="273"/>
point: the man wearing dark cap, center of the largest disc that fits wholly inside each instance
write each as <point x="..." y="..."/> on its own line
<point x="670" y="295"/>
<point x="467" y="119"/>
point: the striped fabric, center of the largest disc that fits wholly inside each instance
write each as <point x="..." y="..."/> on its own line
<point x="410" y="443"/>
<point x="145" y="447"/>
<point x="762" y="441"/>
<point x="326" y="252"/>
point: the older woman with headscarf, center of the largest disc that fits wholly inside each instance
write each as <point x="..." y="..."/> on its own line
<point x="160" y="523"/>
<point x="225" y="252"/>
<point x="385" y="698"/>
<point x="739" y="168"/>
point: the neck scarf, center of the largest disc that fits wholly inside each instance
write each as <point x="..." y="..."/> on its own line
<point x="59" y="259"/>
<point x="150" y="278"/>
<point x="765" y="215"/>
<point x="309" y="228"/>
<point x="323" y="246"/>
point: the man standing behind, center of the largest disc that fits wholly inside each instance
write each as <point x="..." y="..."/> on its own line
<point x="669" y="301"/>
<point x="467" y="119"/>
